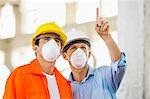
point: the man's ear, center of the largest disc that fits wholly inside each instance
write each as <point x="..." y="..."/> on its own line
<point x="64" y="55"/>
<point x="35" y="48"/>
<point x="89" y="54"/>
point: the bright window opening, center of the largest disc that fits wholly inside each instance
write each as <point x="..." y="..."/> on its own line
<point x="7" y="22"/>
<point x="109" y="7"/>
<point x="4" y="73"/>
<point x="36" y="12"/>
<point x="86" y="9"/>
<point x="22" y="55"/>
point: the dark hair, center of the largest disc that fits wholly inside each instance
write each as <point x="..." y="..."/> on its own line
<point x="37" y="42"/>
<point x="76" y="41"/>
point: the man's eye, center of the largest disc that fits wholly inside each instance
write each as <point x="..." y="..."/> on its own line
<point x="73" y="48"/>
<point x="57" y="40"/>
<point x="83" y="47"/>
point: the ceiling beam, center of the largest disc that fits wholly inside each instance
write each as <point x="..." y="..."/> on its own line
<point x="13" y="2"/>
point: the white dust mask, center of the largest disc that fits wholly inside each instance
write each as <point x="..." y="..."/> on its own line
<point x="50" y="50"/>
<point x="78" y="58"/>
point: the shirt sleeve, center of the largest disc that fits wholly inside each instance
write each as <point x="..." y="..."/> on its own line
<point x="15" y="86"/>
<point x="117" y="70"/>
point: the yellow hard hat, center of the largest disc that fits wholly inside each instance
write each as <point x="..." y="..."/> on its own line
<point x="49" y="28"/>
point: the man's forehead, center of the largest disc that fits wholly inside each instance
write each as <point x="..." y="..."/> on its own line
<point x="79" y="44"/>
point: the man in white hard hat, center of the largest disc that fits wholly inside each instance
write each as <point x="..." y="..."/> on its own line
<point x="88" y="83"/>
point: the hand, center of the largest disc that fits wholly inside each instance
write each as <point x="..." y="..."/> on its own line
<point x="102" y="26"/>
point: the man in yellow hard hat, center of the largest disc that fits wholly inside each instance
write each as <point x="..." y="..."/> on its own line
<point x="40" y="79"/>
<point x="88" y="83"/>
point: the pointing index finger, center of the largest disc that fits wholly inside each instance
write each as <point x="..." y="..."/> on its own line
<point x="97" y="13"/>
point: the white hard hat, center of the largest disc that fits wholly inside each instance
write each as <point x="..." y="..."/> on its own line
<point x="76" y="36"/>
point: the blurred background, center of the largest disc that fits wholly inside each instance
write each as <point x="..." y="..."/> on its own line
<point x="129" y="26"/>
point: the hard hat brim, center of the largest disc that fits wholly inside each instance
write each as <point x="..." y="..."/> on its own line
<point x="62" y="36"/>
<point x="83" y="40"/>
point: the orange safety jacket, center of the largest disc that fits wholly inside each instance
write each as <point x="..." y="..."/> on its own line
<point x="28" y="82"/>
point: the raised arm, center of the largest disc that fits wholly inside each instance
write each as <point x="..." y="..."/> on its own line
<point x="102" y="28"/>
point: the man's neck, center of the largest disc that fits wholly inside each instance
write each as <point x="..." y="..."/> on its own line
<point x="47" y="67"/>
<point x="80" y="74"/>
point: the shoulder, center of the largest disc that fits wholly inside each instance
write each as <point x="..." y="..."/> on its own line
<point x="20" y="71"/>
<point x="102" y="70"/>
<point x="22" y="68"/>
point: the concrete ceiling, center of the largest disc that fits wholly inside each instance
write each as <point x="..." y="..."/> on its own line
<point x="13" y="2"/>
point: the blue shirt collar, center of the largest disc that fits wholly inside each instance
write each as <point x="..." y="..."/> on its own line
<point x="90" y="73"/>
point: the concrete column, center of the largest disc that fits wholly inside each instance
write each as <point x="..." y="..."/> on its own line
<point x="18" y="19"/>
<point x="9" y="43"/>
<point x="131" y="40"/>
<point x="70" y="13"/>
<point x="147" y="47"/>
<point x="8" y="59"/>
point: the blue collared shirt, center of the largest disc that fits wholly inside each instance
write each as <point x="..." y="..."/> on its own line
<point x="100" y="83"/>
